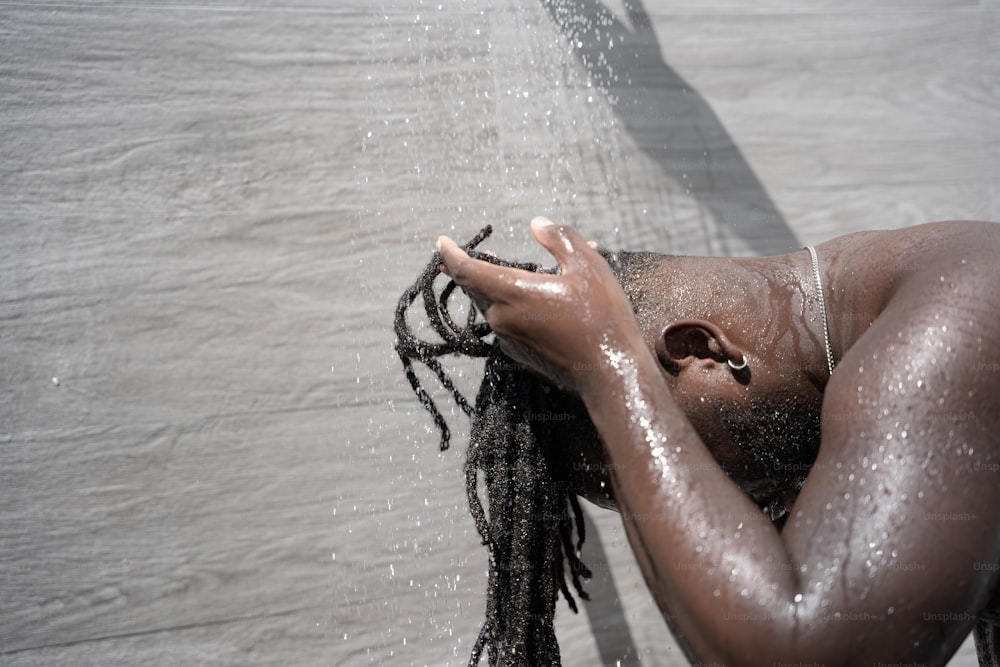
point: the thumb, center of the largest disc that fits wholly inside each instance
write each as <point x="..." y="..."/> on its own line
<point x="564" y="243"/>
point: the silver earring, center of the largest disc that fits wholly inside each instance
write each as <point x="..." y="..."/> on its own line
<point x="740" y="366"/>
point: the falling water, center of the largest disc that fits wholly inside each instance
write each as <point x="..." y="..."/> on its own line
<point x="483" y="114"/>
<point x="209" y="453"/>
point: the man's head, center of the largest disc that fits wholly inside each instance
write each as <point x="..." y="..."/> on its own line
<point x="729" y="335"/>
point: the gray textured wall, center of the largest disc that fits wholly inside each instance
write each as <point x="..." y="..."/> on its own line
<point x="208" y="209"/>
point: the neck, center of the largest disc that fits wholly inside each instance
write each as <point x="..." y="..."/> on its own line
<point x="769" y="305"/>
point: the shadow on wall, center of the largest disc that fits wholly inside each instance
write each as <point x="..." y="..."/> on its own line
<point x="604" y="610"/>
<point x="671" y="122"/>
<point x="678" y="129"/>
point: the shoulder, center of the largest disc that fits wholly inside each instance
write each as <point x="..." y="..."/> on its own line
<point x="931" y="356"/>
<point x="878" y="277"/>
<point x="904" y="496"/>
<point x="900" y="515"/>
<point x="911" y="413"/>
<point x="944" y="230"/>
<point x="932" y="315"/>
<point x="913" y="253"/>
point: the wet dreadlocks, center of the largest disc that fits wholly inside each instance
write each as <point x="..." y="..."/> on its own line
<point x="533" y="511"/>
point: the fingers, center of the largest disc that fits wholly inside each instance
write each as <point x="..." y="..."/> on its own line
<point x="490" y="282"/>
<point x="498" y="284"/>
<point x="457" y="262"/>
<point x="564" y="243"/>
<point x="443" y="245"/>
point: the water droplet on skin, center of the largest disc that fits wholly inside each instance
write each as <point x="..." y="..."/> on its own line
<point x="716" y="593"/>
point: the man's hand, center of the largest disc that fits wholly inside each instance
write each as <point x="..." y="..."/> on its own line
<point x="554" y="324"/>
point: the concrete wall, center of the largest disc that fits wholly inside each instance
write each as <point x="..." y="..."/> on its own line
<point x="208" y="453"/>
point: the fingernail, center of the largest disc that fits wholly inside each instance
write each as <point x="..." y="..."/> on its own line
<point x="542" y="222"/>
<point x="437" y="244"/>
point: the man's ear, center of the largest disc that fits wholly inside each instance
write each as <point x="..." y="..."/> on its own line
<point x="685" y="341"/>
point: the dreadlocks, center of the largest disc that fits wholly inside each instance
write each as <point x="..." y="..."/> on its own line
<point x="533" y="512"/>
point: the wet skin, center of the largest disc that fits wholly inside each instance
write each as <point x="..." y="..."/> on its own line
<point x="890" y="550"/>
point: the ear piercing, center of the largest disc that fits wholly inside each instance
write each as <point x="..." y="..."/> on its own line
<point x="737" y="367"/>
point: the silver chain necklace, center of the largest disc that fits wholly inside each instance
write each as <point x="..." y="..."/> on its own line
<point x="822" y="308"/>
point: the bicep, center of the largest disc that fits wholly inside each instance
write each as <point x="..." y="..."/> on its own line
<point x="896" y="527"/>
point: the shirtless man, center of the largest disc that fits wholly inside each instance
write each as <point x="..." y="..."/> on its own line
<point x="707" y="398"/>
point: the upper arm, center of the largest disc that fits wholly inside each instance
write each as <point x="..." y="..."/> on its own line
<point x="895" y="532"/>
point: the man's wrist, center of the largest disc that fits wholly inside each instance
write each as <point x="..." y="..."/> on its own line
<point x="609" y="374"/>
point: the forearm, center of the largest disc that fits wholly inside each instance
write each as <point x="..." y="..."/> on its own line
<point x="717" y="568"/>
